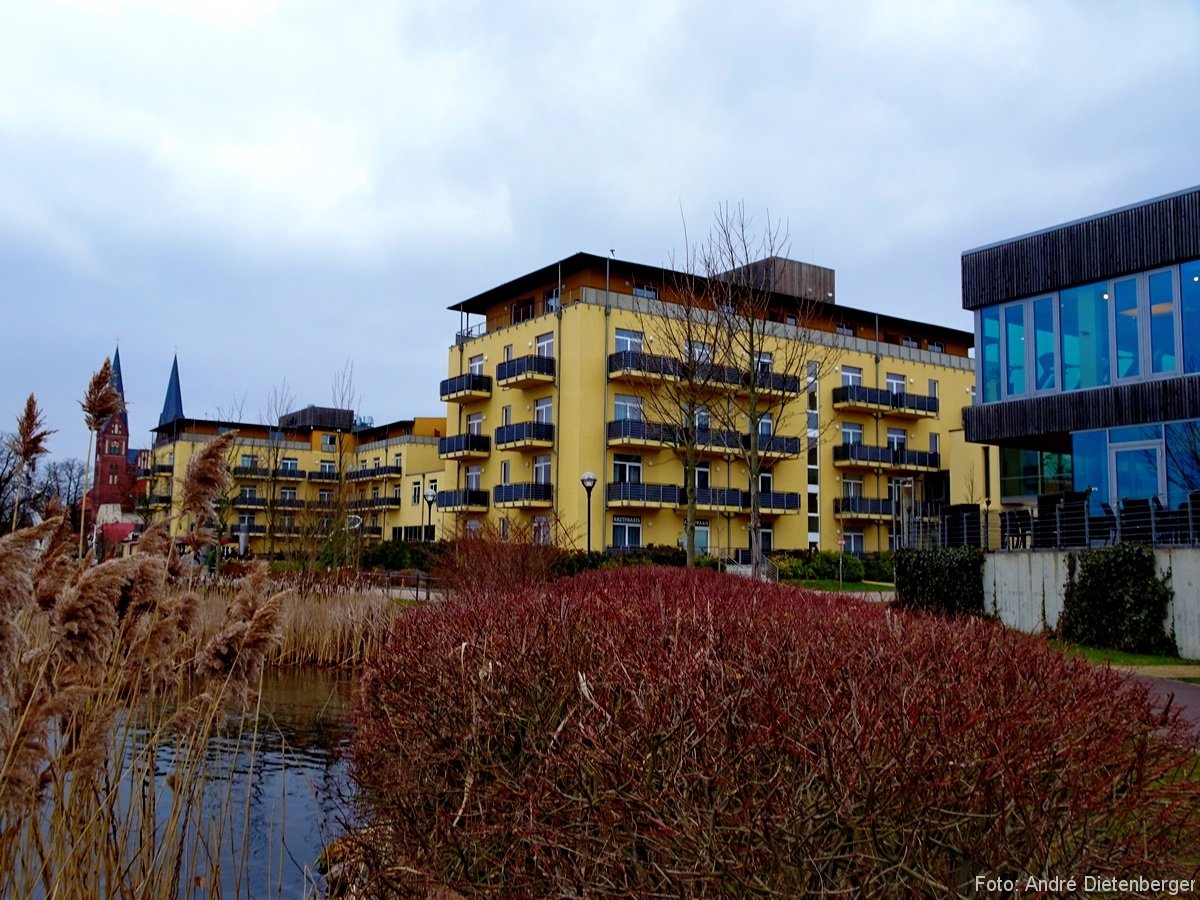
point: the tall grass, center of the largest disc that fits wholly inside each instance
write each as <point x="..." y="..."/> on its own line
<point x="108" y="702"/>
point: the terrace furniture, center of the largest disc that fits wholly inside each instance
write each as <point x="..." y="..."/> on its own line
<point x="1137" y="524"/>
<point x="1104" y="526"/>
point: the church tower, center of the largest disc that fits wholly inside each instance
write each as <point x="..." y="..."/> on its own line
<point x="116" y="467"/>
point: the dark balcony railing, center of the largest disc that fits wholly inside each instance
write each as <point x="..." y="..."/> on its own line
<point x="778" y="444"/>
<point x="375" y="472"/>
<point x="462" y="499"/>
<point x="238" y="528"/>
<point x="288" y="472"/>
<point x="525" y="492"/>
<point x="323" y="475"/>
<point x="243" y="500"/>
<point x="519" y="432"/>
<point x="776" y="382"/>
<point x="857" y="393"/>
<point x="525" y="365"/>
<point x="377" y="503"/>
<point x="641" y="430"/>
<point x="863" y="506"/>
<point x="720" y="439"/>
<point x="786" y="501"/>
<point x="251" y="472"/>
<point x="891" y="457"/>
<point x="464" y="443"/>
<point x="715" y="374"/>
<point x="644" y="492"/>
<point x="648" y="363"/>
<point x="289" y="503"/>
<point x="469" y="383"/>
<point x="719" y="497"/>
<point x="164" y="469"/>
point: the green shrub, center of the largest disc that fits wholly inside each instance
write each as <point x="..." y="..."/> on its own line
<point x="945" y="580"/>
<point x="1115" y="598"/>
<point x="878" y="567"/>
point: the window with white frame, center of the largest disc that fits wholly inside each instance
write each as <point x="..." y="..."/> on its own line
<point x="289" y="464"/>
<point x="851" y="376"/>
<point x="505" y="471"/>
<point x="545" y="344"/>
<point x="506" y="415"/>
<point x="896" y="438"/>
<point x="852" y="433"/>
<point x="627" y="407"/>
<point x="703" y="475"/>
<point x="762" y="363"/>
<point x="628" y="341"/>
<point x="541" y="529"/>
<point x="543" y="410"/>
<point x="329" y="443"/>
<point x="627" y="532"/>
<point x="855" y="541"/>
<point x="475" y="364"/>
<point x="896" y="383"/>
<point x="852" y="486"/>
<point x="627" y="468"/>
<point x="541" y="469"/>
<point x="475" y="423"/>
<point x="327" y="467"/>
<point x="474" y="477"/>
<point x="699" y="351"/>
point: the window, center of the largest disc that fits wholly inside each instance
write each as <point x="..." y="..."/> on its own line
<point x="1084" y="339"/>
<point x="545" y="344"/>
<point x="541" y="469"/>
<point x="909" y="342"/>
<point x="396" y="492"/>
<point x="287" y="523"/>
<point x="1014" y="348"/>
<point x="852" y="486"/>
<point x="1189" y="283"/>
<point x="766" y="424"/>
<point x="416" y="493"/>
<point x="522" y="310"/>
<point x="287" y="495"/>
<point x="989" y="353"/>
<point x="628" y="407"/>
<point x="702" y="417"/>
<point x="852" y="433"/>
<point x="325" y="497"/>
<point x="116" y="429"/>
<point x="627" y="468"/>
<point x="474" y="477"/>
<point x="550" y="300"/>
<point x="814" y="468"/>
<point x="248" y="492"/>
<point x="844" y="330"/>
<point x="854" y="542"/>
<point x="896" y="438"/>
<point x="628" y="341"/>
<point x="937" y="347"/>
<point x="627" y="531"/>
<point x="766" y="481"/>
<point x="935" y="442"/>
<point x="246" y="519"/>
<point x="543" y="409"/>
<point x="375" y="493"/>
<point x="475" y="365"/>
<point x="541" y="529"/>
<point x="508" y="352"/>
<point x="328" y="443"/>
<point x="851" y="376"/>
<point x="703" y="475"/>
<point x="505" y="472"/>
<point x="327" y="467"/>
<point x="896" y="384"/>
<point x="646" y="291"/>
<point x="1045" y="365"/>
<point x="699" y="351"/>
<point x="762" y="363"/>
<point x="933" y="387"/>
<point x="506" y="415"/>
<point x="813" y="369"/>
<point x="475" y="423"/>
<point x="433" y="485"/>
<point x="375" y="462"/>
<point x="290" y="464"/>
<point x="1161" y="287"/>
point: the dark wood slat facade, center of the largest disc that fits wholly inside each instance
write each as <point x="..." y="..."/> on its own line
<point x="1159" y="232"/>
<point x="1046" y="422"/>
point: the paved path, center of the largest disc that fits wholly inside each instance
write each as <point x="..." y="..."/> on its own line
<point x="1184" y="695"/>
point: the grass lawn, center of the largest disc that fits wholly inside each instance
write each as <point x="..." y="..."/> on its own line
<point x="848" y="587"/>
<point x="1118" y="658"/>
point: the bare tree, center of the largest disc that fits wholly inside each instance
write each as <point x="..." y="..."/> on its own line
<point x="61" y="478"/>
<point x="280" y="402"/>
<point x="771" y="335"/>
<point x="9" y="472"/>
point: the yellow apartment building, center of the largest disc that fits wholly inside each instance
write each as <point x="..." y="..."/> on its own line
<point x="558" y="376"/>
<point x="317" y="472"/>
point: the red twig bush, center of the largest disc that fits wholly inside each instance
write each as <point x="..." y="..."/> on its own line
<point x="670" y="732"/>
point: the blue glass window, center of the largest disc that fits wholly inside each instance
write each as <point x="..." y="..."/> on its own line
<point x="1131" y="433"/>
<point x="1045" y="364"/>
<point x="989" y="353"/>
<point x="1089" y="465"/>
<point x="1183" y="460"/>
<point x="1014" y="348"/>
<point x="1083" y="323"/>
<point x="1128" y="333"/>
<point x="1189" y="284"/>
<point x="1162" y="321"/>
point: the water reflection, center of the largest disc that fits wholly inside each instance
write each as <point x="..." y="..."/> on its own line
<point x="278" y="796"/>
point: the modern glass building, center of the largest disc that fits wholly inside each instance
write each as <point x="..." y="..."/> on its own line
<point x="1088" y="360"/>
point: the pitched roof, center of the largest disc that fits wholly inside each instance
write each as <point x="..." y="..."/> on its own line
<point x="173" y="403"/>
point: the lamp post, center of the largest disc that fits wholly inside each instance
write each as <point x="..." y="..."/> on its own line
<point x="588" y="480"/>
<point x="430" y="496"/>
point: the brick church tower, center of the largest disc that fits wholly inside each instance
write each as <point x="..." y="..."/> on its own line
<point x="112" y="500"/>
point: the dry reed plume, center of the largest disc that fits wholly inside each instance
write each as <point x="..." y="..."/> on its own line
<point x="92" y="656"/>
<point x="27" y="445"/>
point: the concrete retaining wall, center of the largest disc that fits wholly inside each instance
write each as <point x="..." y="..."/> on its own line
<point x="1025" y="589"/>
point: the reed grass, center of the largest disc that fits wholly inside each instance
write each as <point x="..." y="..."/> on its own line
<point x="109" y="696"/>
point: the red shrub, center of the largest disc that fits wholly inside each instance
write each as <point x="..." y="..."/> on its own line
<point x="676" y="732"/>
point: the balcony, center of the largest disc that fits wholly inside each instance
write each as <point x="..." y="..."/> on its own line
<point x="716" y="440"/>
<point x="375" y="472"/>
<point x="640" y="433"/>
<point x="466" y="388"/>
<point x="323" y="475"/>
<point x="774" y="384"/>
<point x="774" y="502"/>
<point x="643" y="494"/>
<point x="526" y="494"/>
<point x="237" y="528"/>
<point x="164" y="469"/>
<point x="160" y="499"/>
<point x="868" y="456"/>
<point x="776" y="446"/>
<point x="289" y="473"/>
<point x="463" y="501"/>
<point x="856" y="397"/>
<point x="465" y="446"/>
<point x="251" y="472"/>
<point x="245" y="500"/>
<point x="289" y="503"/>
<point x="376" y="503"/>
<point x="875" y="508"/>
<point x="718" y="498"/>
<point x="633" y="365"/>
<point x="525" y="371"/>
<point x="525" y="435"/>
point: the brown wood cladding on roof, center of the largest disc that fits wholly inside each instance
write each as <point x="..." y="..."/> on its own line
<point x="1013" y="421"/>
<point x="1156" y="233"/>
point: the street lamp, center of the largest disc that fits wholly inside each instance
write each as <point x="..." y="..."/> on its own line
<point x="588" y="480"/>
<point x="430" y="496"/>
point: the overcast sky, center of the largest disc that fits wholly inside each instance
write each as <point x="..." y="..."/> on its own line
<point x="272" y="189"/>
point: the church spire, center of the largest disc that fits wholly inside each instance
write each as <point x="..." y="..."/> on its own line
<point x="173" y="404"/>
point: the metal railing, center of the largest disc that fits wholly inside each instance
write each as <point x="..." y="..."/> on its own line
<point x="524" y="431"/>
<point x="524" y="492"/>
<point x="470" y="382"/>
<point x="465" y="443"/>
<point x="857" y="393"/>
<point x="462" y="499"/>
<point x="644" y="492"/>
<point x="648" y="363"/>
<point x="889" y="457"/>
<point x="525" y="365"/>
